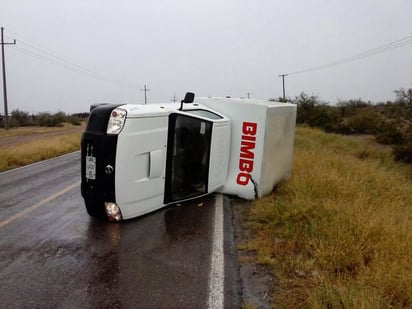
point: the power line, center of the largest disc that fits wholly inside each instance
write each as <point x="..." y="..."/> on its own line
<point x="368" y="53"/>
<point x="44" y="54"/>
<point x="73" y="67"/>
<point x="3" y="61"/>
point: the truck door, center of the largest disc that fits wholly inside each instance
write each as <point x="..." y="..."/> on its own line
<point x="188" y="154"/>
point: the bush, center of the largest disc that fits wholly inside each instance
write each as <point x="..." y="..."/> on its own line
<point x="403" y="153"/>
<point x="20" y="119"/>
<point x="389" y="133"/>
<point x="48" y="120"/>
<point x="316" y="114"/>
<point x="13" y="123"/>
<point x="390" y="122"/>
<point x="363" y="122"/>
<point x="76" y="121"/>
<point x="60" y="117"/>
<point x="351" y="107"/>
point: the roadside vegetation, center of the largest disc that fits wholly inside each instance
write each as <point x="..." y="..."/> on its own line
<point x="390" y="122"/>
<point x="338" y="233"/>
<point x="20" y="118"/>
<point x="33" y="138"/>
<point x="22" y="146"/>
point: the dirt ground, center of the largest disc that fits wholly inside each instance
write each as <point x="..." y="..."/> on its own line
<point x="17" y="136"/>
<point x="257" y="282"/>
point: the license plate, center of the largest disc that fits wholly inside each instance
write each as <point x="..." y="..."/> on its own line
<point x="90" y="167"/>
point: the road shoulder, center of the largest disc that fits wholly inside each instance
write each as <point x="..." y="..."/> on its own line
<point x="256" y="282"/>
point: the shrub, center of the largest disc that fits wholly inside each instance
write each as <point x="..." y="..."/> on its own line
<point x="364" y="121"/>
<point x="351" y="107"/>
<point x="13" y="123"/>
<point x="316" y="114"/>
<point x="60" y="117"/>
<point x="76" y="121"/>
<point x="48" y="120"/>
<point x="389" y="133"/>
<point x="20" y="119"/>
<point x="403" y="152"/>
<point x="394" y="110"/>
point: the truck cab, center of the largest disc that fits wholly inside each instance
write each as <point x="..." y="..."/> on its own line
<point x="138" y="158"/>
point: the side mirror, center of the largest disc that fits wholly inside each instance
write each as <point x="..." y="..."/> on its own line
<point x="189" y="98"/>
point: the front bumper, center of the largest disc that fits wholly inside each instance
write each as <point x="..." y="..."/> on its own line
<point x="98" y="163"/>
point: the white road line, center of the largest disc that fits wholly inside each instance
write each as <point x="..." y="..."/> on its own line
<point x="217" y="269"/>
<point x="39" y="204"/>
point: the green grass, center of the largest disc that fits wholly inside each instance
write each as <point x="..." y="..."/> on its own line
<point x="338" y="234"/>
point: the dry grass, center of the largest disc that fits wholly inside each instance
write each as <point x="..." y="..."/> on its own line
<point x="24" y="131"/>
<point x="41" y="148"/>
<point x="338" y="233"/>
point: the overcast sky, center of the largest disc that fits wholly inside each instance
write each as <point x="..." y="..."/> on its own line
<point x="70" y="53"/>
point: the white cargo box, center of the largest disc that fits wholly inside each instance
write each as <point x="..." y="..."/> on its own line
<point x="261" y="150"/>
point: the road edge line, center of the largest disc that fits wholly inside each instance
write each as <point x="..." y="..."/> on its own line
<point x="217" y="269"/>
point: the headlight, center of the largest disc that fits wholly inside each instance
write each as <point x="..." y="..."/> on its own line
<point x="116" y="121"/>
<point x="113" y="211"/>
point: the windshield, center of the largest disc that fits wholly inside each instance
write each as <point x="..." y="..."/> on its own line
<point x="187" y="164"/>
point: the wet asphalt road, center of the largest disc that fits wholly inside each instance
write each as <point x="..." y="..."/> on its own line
<point x="53" y="255"/>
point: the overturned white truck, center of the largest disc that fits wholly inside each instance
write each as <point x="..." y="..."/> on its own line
<point x="138" y="158"/>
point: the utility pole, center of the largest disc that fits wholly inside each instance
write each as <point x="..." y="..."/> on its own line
<point x="174" y="98"/>
<point x="3" y="61"/>
<point x="145" y="91"/>
<point x="283" y="83"/>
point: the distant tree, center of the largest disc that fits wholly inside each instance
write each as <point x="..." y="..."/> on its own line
<point x="74" y="120"/>
<point x="48" y="120"/>
<point x="316" y="114"/>
<point x="60" y="117"/>
<point x="306" y="108"/>
<point x="351" y="107"/>
<point x="280" y="99"/>
<point x="21" y="118"/>
<point x="404" y="95"/>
